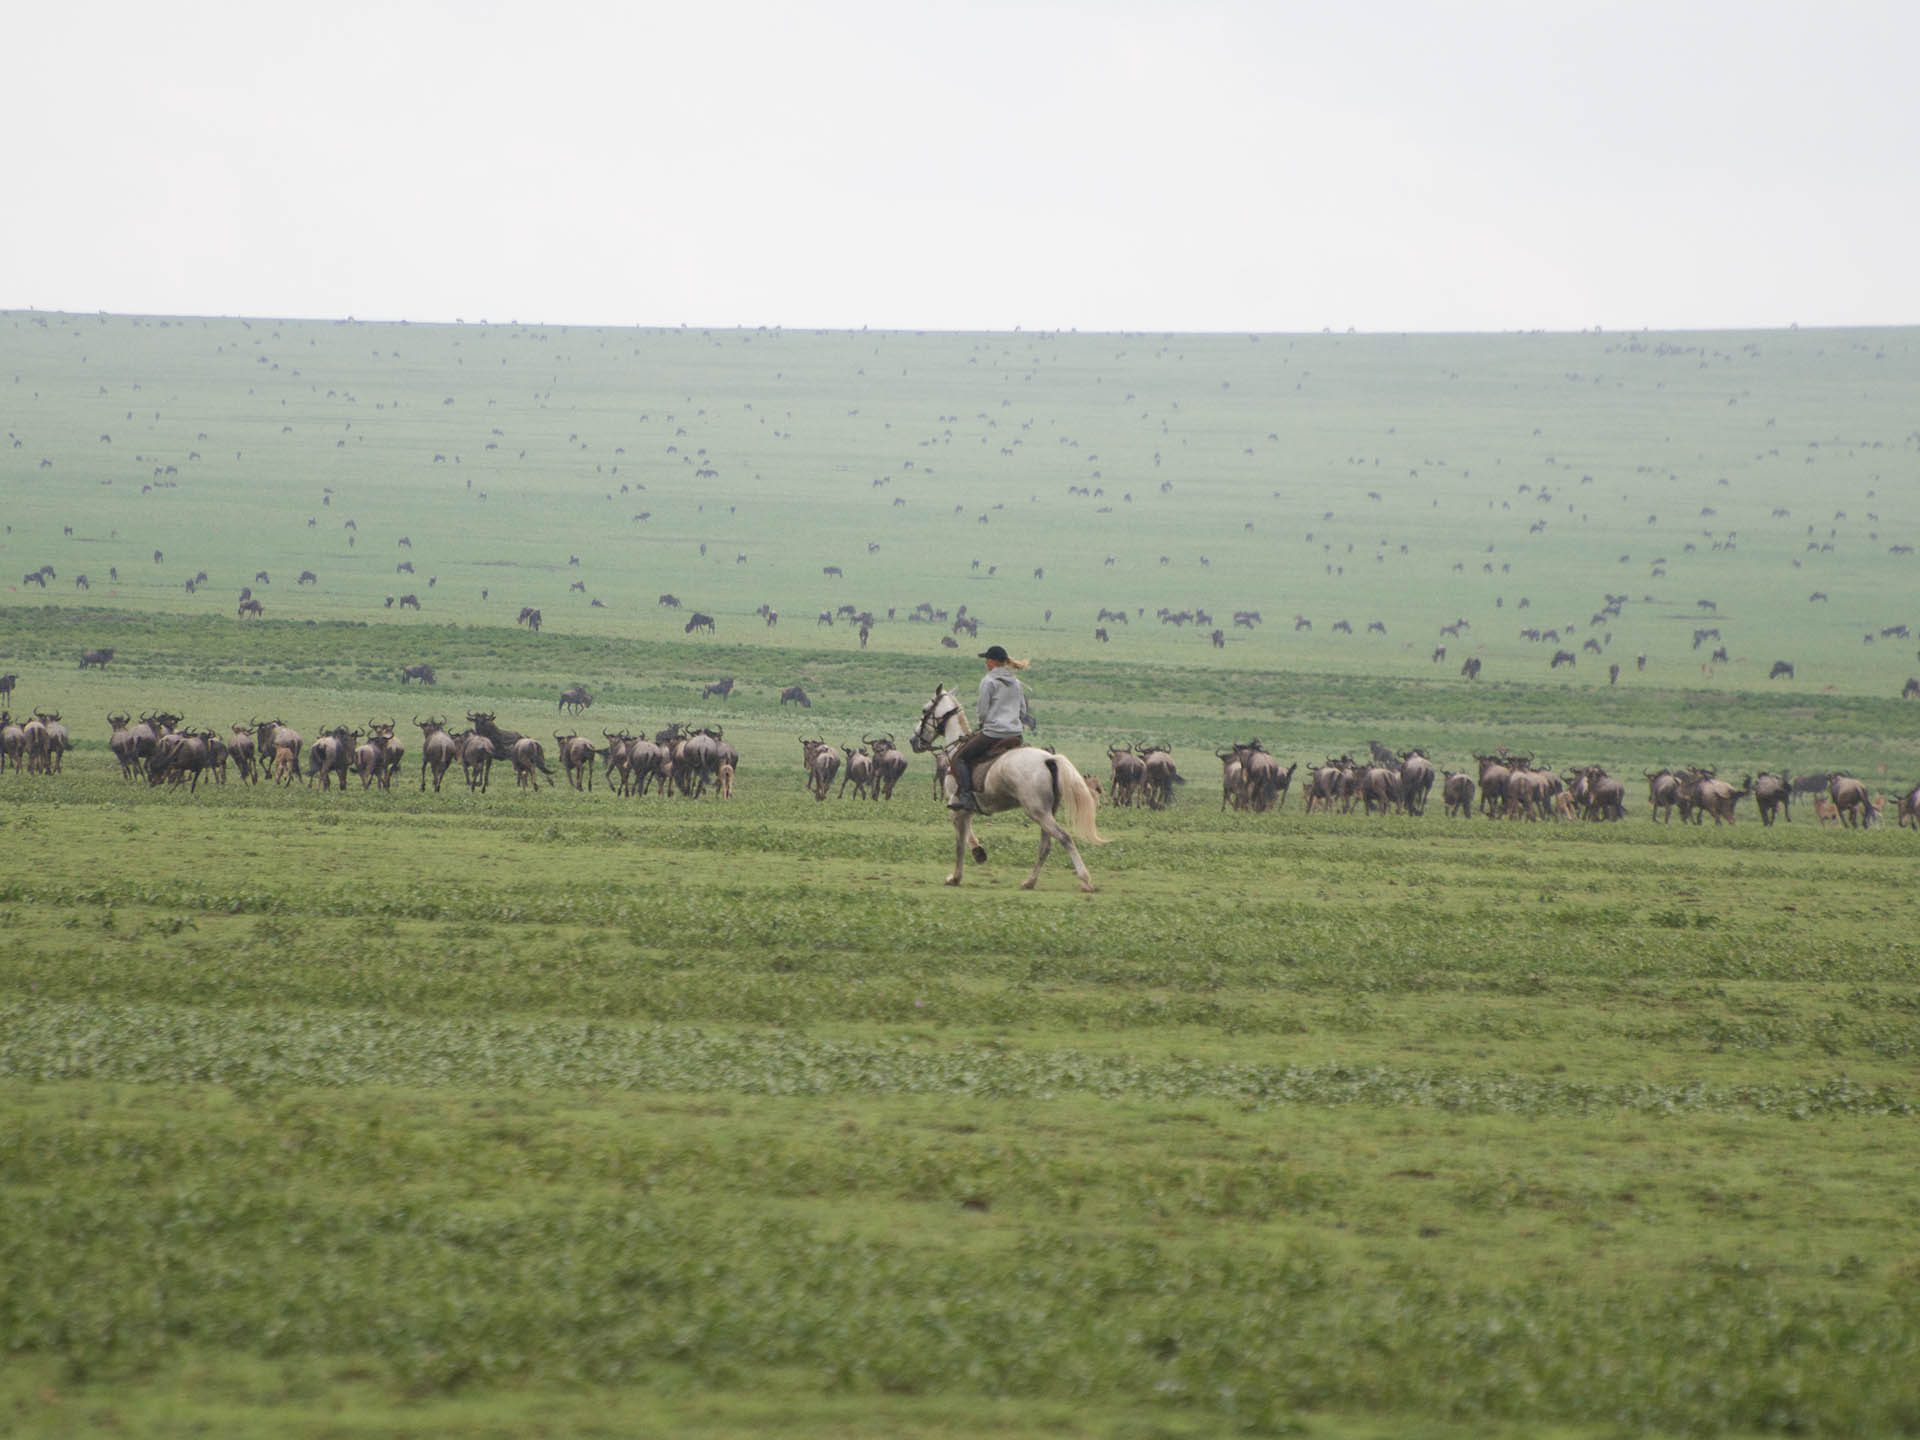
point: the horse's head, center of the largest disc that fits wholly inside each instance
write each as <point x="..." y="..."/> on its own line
<point x="935" y="717"/>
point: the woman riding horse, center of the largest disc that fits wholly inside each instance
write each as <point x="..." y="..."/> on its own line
<point x="1002" y="701"/>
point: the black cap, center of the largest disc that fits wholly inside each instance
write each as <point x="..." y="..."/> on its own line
<point x="995" y="652"/>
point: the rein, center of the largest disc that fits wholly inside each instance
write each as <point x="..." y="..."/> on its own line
<point x="934" y="719"/>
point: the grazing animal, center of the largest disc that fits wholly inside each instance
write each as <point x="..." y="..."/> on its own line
<point x="96" y="658"/>
<point x="859" y="772"/>
<point x="251" y="607"/>
<point x="889" y="764"/>
<point x="577" y="699"/>
<point x="1773" y="793"/>
<point x="722" y="688"/>
<point x="1027" y="778"/>
<point x="795" y="695"/>
<point x="423" y="673"/>
<point x="1851" y="801"/>
<point x="329" y="757"/>
<point x="699" y="622"/>
<point x="821" y="762"/>
<point x="577" y="754"/>
<point x="1909" y="810"/>
<point x="438" y="751"/>
<point x="1781" y="667"/>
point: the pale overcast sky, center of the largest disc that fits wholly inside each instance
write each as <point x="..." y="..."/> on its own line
<point x="1205" y="165"/>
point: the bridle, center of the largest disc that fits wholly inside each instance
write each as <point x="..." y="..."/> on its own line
<point x="934" y="715"/>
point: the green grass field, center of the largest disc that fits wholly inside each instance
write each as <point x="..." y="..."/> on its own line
<point x="513" y="1114"/>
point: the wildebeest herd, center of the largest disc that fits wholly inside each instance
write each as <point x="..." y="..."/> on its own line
<point x="1503" y="785"/>
<point x="683" y="760"/>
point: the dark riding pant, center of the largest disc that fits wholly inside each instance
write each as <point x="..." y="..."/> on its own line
<point x="963" y="760"/>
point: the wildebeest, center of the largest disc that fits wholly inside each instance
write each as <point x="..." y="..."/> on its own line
<point x="821" y="762"/>
<point x="179" y="756"/>
<point x="1851" y="800"/>
<point x="96" y="658"/>
<point x="7" y="682"/>
<point x="281" y="743"/>
<point x="529" y="759"/>
<point x="1129" y="774"/>
<point x="859" y="772"/>
<point x="1910" y="691"/>
<point x="1709" y="795"/>
<point x="722" y="688"/>
<point x="422" y="672"/>
<point x="1563" y="657"/>
<point x="577" y="754"/>
<point x="13" y="742"/>
<point x="672" y="602"/>
<point x="1416" y="780"/>
<point x="1781" y="667"/>
<point x="253" y="608"/>
<point x="242" y="747"/>
<point x="1472" y="668"/>
<point x="409" y="601"/>
<point x="889" y="764"/>
<point x="307" y="577"/>
<point x="1663" y="793"/>
<point x="378" y="756"/>
<point x="530" y="618"/>
<point x="477" y="754"/>
<point x="330" y="756"/>
<point x="1457" y="794"/>
<point x="1161" y="776"/>
<point x="796" y="695"/>
<point x="1773" y="792"/>
<point x="1907" y="812"/>
<point x="438" y="750"/>
<point x="576" y="699"/>
<point x="698" y="622"/>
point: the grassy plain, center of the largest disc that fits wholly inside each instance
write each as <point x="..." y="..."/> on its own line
<point x="396" y="1113"/>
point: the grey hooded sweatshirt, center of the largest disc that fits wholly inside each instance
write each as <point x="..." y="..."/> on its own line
<point x="1001" y="701"/>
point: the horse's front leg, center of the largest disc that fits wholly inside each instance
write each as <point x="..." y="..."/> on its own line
<point x="961" y="827"/>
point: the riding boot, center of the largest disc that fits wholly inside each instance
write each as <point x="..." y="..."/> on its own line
<point x="963" y="796"/>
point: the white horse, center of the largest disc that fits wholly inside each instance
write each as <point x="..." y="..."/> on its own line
<point x="1027" y="778"/>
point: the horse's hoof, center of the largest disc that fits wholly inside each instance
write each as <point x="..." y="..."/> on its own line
<point x="953" y="879"/>
<point x="979" y="854"/>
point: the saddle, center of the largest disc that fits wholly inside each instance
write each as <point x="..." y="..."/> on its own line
<point x="993" y="753"/>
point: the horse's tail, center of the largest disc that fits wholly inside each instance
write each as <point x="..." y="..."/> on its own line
<point x="1080" y="802"/>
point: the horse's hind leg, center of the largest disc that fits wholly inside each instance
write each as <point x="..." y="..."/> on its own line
<point x="1046" y="844"/>
<point x="1051" y="830"/>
